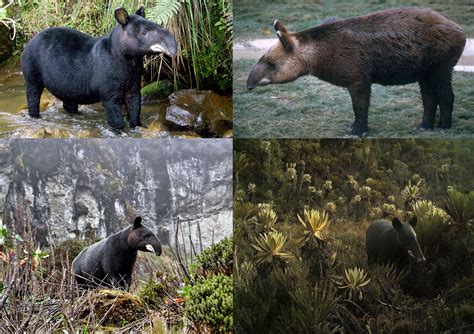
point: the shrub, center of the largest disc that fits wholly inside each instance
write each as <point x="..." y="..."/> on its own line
<point x="210" y="302"/>
<point x="152" y="293"/>
<point x="214" y="260"/>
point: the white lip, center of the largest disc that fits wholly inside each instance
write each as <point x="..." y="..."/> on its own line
<point x="150" y="248"/>
<point x="264" y="82"/>
<point x="158" y="48"/>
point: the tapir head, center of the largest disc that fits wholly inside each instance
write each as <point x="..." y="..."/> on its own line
<point x="406" y="237"/>
<point x="142" y="239"/>
<point x="281" y="64"/>
<point x="138" y="36"/>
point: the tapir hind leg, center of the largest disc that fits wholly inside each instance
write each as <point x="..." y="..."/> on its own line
<point x="34" y="89"/>
<point x="444" y="92"/>
<point x="430" y="104"/>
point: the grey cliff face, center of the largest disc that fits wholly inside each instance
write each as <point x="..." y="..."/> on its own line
<point x="79" y="188"/>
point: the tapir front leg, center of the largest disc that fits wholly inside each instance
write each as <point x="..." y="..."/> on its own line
<point x="114" y="113"/>
<point x="133" y="103"/>
<point x="360" y="94"/>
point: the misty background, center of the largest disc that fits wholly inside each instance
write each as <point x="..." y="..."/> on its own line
<point x="96" y="187"/>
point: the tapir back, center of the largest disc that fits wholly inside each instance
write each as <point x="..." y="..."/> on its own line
<point x="381" y="243"/>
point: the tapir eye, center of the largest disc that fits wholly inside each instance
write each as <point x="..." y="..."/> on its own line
<point x="271" y="66"/>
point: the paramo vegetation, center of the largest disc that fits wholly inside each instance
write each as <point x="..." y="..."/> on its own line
<point x="301" y="212"/>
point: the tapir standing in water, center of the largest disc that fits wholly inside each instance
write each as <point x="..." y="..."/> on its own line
<point x="393" y="242"/>
<point x="391" y="47"/>
<point x="81" y="69"/>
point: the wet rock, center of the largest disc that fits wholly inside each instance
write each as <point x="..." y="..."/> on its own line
<point x="6" y="48"/>
<point x="180" y="117"/>
<point x="208" y="113"/>
<point x="156" y="91"/>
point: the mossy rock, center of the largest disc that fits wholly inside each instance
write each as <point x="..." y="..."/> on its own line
<point x="115" y="308"/>
<point x="157" y="90"/>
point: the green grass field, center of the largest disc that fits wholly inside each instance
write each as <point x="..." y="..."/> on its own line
<point x="254" y="18"/>
<point x="310" y="107"/>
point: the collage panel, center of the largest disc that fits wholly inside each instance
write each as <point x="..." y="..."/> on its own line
<point x="120" y="68"/>
<point x="151" y="231"/>
<point x="332" y="69"/>
<point x="351" y="236"/>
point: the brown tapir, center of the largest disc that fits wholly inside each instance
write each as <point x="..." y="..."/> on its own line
<point x="391" y="47"/>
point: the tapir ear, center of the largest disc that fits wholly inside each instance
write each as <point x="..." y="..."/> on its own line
<point x="121" y="16"/>
<point x="412" y="221"/>
<point x="137" y="222"/>
<point x="279" y="26"/>
<point x="396" y="223"/>
<point x="140" y="11"/>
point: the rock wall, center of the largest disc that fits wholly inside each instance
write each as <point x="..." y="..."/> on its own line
<point x="95" y="187"/>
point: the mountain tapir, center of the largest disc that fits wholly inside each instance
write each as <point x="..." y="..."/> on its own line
<point x="391" y="47"/>
<point x="81" y="69"/>
<point x="110" y="261"/>
<point x="393" y="242"/>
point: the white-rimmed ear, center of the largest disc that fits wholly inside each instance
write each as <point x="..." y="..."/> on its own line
<point x="279" y="26"/>
<point x="121" y="16"/>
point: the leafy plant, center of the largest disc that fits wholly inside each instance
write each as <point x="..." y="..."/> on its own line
<point x="213" y="260"/>
<point x="411" y="192"/>
<point x="431" y="225"/>
<point x="271" y="249"/>
<point x="353" y="281"/>
<point x="210" y="302"/>
<point x="268" y="218"/>
<point x="152" y="293"/>
<point x="315" y="224"/>
<point x="460" y="206"/>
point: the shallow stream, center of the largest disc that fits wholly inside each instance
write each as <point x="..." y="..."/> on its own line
<point x="56" y="123"/>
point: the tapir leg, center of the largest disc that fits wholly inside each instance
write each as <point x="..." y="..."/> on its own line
<point x="113" y="113"/>
<point x="444" y="92"/>
<point x="33" y="94"/>
<point x="430" y="104"/>
<point x="71" y="107"/>
<point x="133" y="104"/>
<point x="360" y="94"/>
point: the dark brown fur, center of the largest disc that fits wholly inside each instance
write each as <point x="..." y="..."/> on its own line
<point x="391" y="47"/>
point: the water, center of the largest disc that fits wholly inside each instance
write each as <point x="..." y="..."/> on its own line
<point x="56" y="123"/>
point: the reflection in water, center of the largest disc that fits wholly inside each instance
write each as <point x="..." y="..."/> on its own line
<point x="56" y="123"/>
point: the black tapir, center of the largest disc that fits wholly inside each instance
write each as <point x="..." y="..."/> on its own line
<point x="110" y="261"/>
<point x="391" y="47"/>
<point x="81" y="69"/>
<point x="393" y="242"/>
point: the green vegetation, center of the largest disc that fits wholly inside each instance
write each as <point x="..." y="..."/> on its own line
<point x="209" y="302"/>
<point x="202" y="27"/>
<point x="312" y="108"/>
<point x="309" y="108"/>
<point x="301" y="211"/>
<point x="213" y="260"/>
<point x="32" y="276"/>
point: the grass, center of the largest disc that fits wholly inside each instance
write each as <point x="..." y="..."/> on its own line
<point x="310" y="107"/>
<point x="254" y="18"/>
